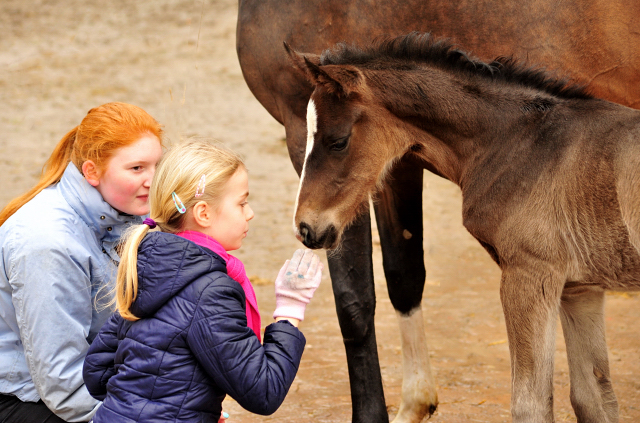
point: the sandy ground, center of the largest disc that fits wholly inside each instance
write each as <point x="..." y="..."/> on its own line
<point x="177" y="60"/>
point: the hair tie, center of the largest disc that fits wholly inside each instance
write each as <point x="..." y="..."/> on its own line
<point x="179" y="204"/>
<point x="149" y="221"/>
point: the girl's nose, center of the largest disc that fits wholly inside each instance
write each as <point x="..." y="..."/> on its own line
<point x="250" y="213"/>
<point x="149" y="178"/>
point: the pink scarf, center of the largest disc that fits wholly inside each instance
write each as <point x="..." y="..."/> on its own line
<point x="235" y="269"/>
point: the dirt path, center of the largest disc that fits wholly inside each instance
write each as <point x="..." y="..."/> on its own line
<point x="177" y="60"/>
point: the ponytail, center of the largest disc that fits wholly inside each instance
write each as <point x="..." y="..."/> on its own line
<point x="52" y="172"/>
<point x="127" y="279"/>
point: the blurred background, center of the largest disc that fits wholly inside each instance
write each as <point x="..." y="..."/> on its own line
<point x="177" y="60"/>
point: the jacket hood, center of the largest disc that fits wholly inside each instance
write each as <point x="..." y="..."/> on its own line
<point x="167" y="263"/>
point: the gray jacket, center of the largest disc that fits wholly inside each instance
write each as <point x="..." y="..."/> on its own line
<point x="57" y="260"/>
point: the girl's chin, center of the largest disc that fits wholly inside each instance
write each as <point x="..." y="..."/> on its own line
<point x="137" y="208"/>
<point x="143" y="209"/>
<point x="233" y="247"/>
<point x="140" y="211"/>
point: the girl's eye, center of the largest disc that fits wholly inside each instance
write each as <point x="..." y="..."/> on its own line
<point x="136" y="168"/>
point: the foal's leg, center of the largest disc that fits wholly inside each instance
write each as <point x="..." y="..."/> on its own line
<point x="582" y="316"/>
<point x="353" y="287"/>
<point x="399" y="217"/>
<point x="530" y="303"/>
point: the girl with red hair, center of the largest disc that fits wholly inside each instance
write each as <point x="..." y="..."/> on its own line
<point x="58" y="260"/>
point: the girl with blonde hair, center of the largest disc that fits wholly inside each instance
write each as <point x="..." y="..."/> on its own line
<point x="187" y="330"/>
<point x="57" y="252"/>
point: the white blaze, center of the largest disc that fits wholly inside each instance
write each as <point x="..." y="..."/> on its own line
<point x="312" y="128"/>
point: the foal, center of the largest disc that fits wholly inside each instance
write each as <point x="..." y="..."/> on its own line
<point x="549" y="178"/>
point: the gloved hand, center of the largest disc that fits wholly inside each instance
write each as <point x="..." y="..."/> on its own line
<point x="296" y="283"/>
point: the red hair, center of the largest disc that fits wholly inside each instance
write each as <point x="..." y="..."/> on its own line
<point x="103" y="130"/>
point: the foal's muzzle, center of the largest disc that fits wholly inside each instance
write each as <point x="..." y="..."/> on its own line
<point x="311" y="239"/>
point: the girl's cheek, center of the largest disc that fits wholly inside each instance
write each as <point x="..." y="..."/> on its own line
<point x="129" y="186"/>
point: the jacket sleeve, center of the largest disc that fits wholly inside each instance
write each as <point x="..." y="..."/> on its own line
<point x="99" y="364"/>
<point x="51" y="294"/>
<point x="258" y="376"/>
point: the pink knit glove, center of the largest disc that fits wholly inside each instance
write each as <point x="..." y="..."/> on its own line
<point x="296" y="283"/>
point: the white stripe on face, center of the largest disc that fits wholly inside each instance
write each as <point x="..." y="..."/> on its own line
<point x="312" y="128"/>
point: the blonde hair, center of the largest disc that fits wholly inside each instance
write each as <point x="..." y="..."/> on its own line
<point x="179" y="172"/>
<point x="103" y="130"/>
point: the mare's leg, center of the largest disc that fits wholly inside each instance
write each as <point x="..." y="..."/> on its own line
<point x="399" y="217"/>
<point x="351" y="272"/>
<point x="352" y="279"/>
<point x="530" y="301"/>
<point x="582" y="316"/>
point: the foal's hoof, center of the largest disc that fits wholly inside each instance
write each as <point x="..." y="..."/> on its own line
<point x="432" y="409"/>
<point x="415" y="414"/>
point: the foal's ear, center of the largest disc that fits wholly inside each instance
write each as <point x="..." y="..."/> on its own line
<point x="340" y="80"/>
<point x="298" y="58"/>
<point x="299" y="61"/>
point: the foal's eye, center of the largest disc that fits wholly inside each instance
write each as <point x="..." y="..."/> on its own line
<point x="340" y="144"/>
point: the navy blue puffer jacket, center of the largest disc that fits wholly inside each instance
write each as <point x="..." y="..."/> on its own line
<point x="191" y="345"/>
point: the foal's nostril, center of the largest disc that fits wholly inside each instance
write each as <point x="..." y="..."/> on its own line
<point x="316" y="240"/>
<point x="306" y="234"/>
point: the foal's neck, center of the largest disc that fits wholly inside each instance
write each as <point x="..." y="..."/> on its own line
<point x="451" y="121"/>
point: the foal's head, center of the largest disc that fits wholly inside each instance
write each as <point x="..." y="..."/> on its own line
<point x="370" y="107"/>
<point x="348" y="151"/>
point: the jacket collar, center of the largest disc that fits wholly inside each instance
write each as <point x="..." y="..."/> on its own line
<point x="107" y="223"/>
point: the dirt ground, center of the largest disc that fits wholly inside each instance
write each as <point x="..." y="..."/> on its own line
<point x="177" y="60"/>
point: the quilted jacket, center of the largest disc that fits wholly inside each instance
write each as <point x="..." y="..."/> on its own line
<point x="191" y="345"/>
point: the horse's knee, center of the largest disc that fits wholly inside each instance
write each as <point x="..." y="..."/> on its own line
<point x="356" y="318"/>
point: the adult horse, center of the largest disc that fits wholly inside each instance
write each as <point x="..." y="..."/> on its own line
<point x="549" y="179"/>
<point x="595" y="41"/>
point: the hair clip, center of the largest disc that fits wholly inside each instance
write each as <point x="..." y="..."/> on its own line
<point x="179" y="204"/>
<point x="200" y="187"/>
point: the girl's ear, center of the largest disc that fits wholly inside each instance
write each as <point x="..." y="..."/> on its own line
<point x="202" y="214"/>
<point x="91" y="173"/>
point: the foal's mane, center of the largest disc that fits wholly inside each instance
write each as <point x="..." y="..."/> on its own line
<point x="403" y="51"/>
